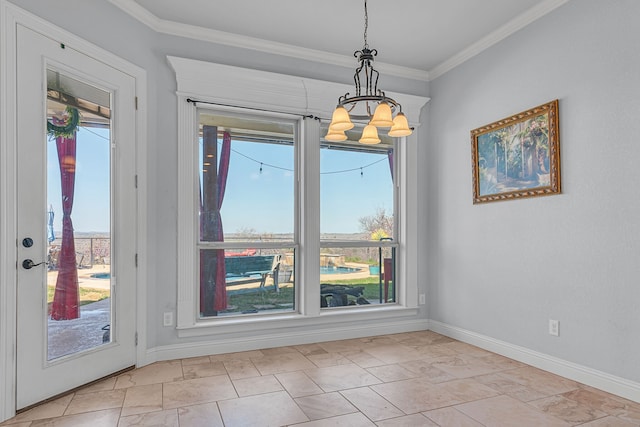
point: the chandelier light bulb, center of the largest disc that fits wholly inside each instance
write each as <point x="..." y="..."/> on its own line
<point x="400" y="126"/>
<point x="382" y="116"/>
<point x="340" y="121"/>
<point x="370" y="135"/>
<point x="335" y="135"/>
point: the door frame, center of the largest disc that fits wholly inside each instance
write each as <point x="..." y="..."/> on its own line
<point x="10" y="17"/>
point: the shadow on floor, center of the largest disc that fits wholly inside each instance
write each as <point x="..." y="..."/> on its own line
<point x="72" y="336"/>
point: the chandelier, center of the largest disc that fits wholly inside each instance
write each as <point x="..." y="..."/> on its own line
<point x="367" y="98"/>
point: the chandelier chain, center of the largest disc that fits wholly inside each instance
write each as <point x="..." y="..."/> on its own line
<point x="366" y="25"/>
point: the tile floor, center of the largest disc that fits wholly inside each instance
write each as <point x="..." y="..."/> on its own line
<point x="408" y="379"/>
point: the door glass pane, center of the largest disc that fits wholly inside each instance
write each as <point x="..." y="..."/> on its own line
<point x="78" y="216"/>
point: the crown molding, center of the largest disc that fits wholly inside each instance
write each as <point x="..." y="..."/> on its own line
<point x="138" y="12"/>
<point x="245" y="42"/>
<point x="496" y="36"/>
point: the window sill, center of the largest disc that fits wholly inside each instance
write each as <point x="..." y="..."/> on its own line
<point x="277" y="322"/>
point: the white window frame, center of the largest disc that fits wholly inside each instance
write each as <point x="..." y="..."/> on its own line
<point x="395" y="243"/>
<point x="244" y="88"/>
<point x="295" y="242"/>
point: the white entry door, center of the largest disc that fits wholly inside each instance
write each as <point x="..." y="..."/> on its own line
<point x="75" y="219"/>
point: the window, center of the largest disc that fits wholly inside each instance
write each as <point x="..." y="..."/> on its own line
<point x="357" y="223"/>
<point x="277" y="165"/>
<point x="247" y="240"/>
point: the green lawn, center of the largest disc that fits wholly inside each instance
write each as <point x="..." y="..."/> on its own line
<point x="249" y="302"/>
<point x="258" y="300"/>
<point x="371" y="286"/>
<point x="283" y="300"/>
<point x="87" y="295"/>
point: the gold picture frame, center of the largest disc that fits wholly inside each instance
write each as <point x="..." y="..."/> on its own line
<point x="518" y="156"/>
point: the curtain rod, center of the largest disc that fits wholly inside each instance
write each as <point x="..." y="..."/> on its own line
<point x="305" y="116"/>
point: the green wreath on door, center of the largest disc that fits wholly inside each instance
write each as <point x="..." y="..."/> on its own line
<point x="67" y="128"/>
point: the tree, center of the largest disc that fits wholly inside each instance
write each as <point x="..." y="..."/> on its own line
<point x="377" y="225"/>
<point x="246" y="233"/>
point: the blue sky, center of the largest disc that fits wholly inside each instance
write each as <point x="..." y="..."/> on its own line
<point x="91" y="197"/>
<point x="254" y="199"/>
<point x="263" y="200"/>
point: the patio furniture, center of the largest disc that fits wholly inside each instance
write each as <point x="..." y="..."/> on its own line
<point x="338" y="295"/>
<point x="249" y="269"/>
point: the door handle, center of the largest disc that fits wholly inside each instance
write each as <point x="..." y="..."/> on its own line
<point x="28" y="264"/>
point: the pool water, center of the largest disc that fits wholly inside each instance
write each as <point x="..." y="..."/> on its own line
<point x="323" y="270"/>
<point x="337" y="270"/>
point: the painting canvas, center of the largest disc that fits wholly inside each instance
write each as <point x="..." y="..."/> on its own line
<point x="518" y="156"/>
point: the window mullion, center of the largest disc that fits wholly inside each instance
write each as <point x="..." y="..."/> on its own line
<point x="408" y="220"/>
<point x="309" y="268"/>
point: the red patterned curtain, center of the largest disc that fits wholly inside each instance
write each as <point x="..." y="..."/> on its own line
<point x="220" y="302"/>
<point x="213" y="287"/>
<point x="65" y="299"/>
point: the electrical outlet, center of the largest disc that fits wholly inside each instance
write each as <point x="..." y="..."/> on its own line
<point x="554" y="327"/>
<point x="423" y="299"/>
<point x="168" y="318"/>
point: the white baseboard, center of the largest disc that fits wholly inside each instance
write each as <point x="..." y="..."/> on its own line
<point x="591" y="377"/>
<point x="231" y="345"/>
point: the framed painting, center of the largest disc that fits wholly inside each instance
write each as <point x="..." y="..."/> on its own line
<point x="518" y="156"/>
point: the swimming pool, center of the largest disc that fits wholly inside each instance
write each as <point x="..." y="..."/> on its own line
<point x="323" y="270"/>
<point x="338" y="270"/>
